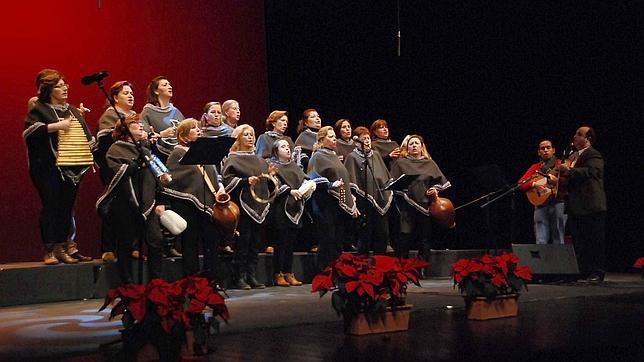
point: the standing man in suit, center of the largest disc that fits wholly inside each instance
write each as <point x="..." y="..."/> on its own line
<point x="586" y="204"/>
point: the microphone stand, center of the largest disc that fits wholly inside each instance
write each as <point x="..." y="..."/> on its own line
<point x="510" y="190"/>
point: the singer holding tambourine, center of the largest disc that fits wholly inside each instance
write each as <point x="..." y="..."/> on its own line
<point x="130" y="204"/>
<point x="242" y="171"/>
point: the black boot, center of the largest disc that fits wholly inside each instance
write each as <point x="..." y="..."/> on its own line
<point x="250" y="278"/>
<point x="239" y="280"/>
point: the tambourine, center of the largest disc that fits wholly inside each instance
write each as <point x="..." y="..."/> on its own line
<point x="272" y="194"/>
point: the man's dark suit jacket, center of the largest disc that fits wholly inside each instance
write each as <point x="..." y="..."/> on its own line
<point x="586" y="184"/>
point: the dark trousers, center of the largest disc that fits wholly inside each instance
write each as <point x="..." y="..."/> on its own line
<point x="283" y="239"/>
<point x="129" y="227"/>
<point x="247" y="246"/>
<point x="329" y="220"/>
<point x="200" y="227"/>
<point x="589" y="238"/>
<point x="57" y="196"/>
<point x="415" y="231"/>
<point x="374" y="233"/>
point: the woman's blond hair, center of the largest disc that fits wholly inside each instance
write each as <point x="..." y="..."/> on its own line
<point x="238" y="133"/>
<point x="403" y="146"/>
<point x="183" y="130"/>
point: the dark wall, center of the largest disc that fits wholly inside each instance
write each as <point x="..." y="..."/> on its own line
<point x="210" y="50"/>
<point x="482" y="81"/>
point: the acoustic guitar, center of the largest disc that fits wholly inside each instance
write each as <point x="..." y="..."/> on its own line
<point x="541" y="193"/>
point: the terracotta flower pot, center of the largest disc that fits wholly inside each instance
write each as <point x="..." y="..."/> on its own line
<point x="393" y="320"/>
<point x="481" y="308"/>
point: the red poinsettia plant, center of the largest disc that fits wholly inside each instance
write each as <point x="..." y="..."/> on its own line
<point x="174" y="303"/>
<point x="490" y="275"/>
<point x="367" y="284"/>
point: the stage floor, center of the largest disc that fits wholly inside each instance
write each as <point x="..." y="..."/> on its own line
<point x="573" y="321"/>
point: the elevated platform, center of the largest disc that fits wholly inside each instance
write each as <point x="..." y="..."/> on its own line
<point x="34" y="282"/>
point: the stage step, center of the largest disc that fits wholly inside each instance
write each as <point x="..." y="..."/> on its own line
<point x="34" y="282"/>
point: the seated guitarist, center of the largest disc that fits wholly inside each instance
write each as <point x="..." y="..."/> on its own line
<point x="549" y="217"/>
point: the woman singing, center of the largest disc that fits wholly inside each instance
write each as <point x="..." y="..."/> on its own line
<point x="368" y="176"/>
<point x="193" y="190"/>
<point x="344" y="132"/>
<point x="336" y="203"/>
<point x="231" y="115"/>
<point x="240" y="172"/>
<point x="285" y="217"/>
<point x="123" y="96"/>
<point x="160" y="116"/>
<point x="134" y="210"/>
<point x="307" y="129"/>
<point x="413" y="203"/>
<point x="212" y="121"/>
<point x="276" y="125"/>
<point x="388" y="149"/>
<point x="57" y="186"/>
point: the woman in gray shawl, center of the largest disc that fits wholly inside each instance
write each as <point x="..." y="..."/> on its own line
<point x="333" y="203"/>
<point x="413" y="202"/>
<point x="241" y="171"/>
<point x="130" y="201"/>
<point x="193" y="190"/>
<point x="368" y="176"/>
<point x="160" y="116"/>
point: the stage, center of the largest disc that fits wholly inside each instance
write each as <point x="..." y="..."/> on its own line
<point x="557" y="321"/>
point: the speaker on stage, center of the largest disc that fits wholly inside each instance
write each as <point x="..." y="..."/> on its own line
<point x="548" y="261"/>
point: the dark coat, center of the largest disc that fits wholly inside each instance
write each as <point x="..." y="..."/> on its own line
<point x="586" y="184"/>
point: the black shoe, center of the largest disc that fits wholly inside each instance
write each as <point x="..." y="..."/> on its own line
<point x="253" y="283"/>
<point x="350" y="248"/>
<point x="596" y="278"/>
<point x="80" y="257"/>
<point x="240" y="284"/>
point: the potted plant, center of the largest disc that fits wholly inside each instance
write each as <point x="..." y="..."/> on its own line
<point x="168" y="315"/>
<point x="369" y="292"/>
<point x="491" y="284"/>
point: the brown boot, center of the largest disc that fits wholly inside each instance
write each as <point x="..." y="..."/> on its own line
<point x="108" y="257"/>
<point x="290" y="278"/>
<point x="61" y="254"/>
<point x="72" y="250"/>
<point x="279" y="281"/>
<point x="50" y="259"/>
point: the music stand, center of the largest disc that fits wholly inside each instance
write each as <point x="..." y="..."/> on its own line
<point x="400" y="183"/>
<point x="207" y="151"/>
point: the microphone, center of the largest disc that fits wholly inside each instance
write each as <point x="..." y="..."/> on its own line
<point x="96" y="77"/>
<point x="357" y="139"/>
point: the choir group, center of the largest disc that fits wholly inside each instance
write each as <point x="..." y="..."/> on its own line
<point x="331" y="187"/>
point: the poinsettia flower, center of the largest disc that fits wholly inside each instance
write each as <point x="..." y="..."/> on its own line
<point x="487" y="259"/>
<point x="639" y="263"/>
<point x="499" y="280"/>
<point x="474" y="267"/>
<point x="321" y="282"/>
<point x="384" y="264"/>
<point x="524" y="272"/>
<point x="196" y="306"/>
<point x="346" y="270"/>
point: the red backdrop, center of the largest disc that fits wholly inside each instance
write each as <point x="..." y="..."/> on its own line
<point x="210" y="50"/>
